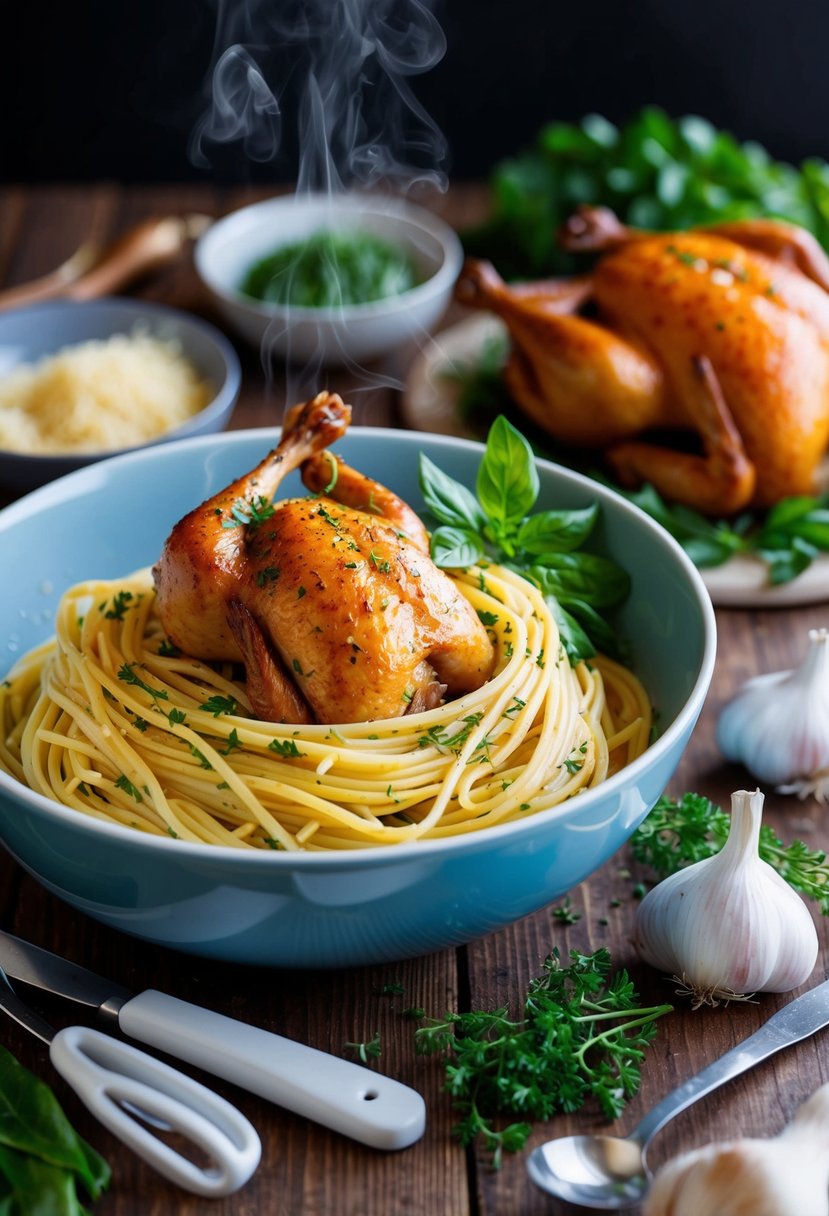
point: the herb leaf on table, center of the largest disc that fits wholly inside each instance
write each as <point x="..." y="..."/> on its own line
<point x="581" y="1037"/>
<point x="42" y="1159"/>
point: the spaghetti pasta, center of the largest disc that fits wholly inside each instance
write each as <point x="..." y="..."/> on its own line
<point x="109" y="720"/>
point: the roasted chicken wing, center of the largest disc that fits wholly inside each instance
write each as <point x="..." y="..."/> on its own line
<point x="719" y="332"/>
<point x="332" y="602"/>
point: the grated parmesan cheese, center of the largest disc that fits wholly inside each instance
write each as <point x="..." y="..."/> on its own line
<point x="99" y="396"/>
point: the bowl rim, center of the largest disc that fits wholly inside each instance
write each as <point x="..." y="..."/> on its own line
<point x="225" y="395"/>
<point x="406" y="851"/>
<point x="416" y="216"/>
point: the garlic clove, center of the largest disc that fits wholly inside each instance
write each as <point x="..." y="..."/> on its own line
<point x="777" y="726"/>
<point x="752" y="1177"/>
<point x="729" y="925"/>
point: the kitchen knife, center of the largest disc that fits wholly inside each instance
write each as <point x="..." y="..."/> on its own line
<point x="339" y="1094"/>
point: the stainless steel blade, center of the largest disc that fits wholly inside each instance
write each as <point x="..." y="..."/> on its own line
<point x="20" y="1012"/>
<point x="48" y="972"/>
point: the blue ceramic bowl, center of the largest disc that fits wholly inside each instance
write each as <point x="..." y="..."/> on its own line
<point x="29" y="334"/>
<point x="317" y="909"/>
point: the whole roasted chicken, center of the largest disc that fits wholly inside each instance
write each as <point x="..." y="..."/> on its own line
<point x="719" y="332"/>
<point x="332" y="602"/>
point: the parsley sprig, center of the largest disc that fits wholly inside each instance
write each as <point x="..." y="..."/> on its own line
<point x="497" y="523"/>
<point x="680" y="832"/>
<point x="581" y="1036"/>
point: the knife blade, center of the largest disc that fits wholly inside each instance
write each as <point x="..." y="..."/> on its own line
<point x="356" y="1101"/>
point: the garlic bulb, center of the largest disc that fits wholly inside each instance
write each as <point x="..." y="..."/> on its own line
<point x="778" y="724"/>
<point x="784" y="1176"/>
<point x="729" y="925"/>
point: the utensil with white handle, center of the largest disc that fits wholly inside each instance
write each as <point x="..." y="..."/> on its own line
<point x="131" y="1093"/>
<point x="340" y="1094"/>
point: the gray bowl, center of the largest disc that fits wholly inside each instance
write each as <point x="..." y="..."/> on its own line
<point x="29" y="334"/>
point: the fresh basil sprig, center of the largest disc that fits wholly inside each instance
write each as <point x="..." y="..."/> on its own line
<point x="497" y="524"/>
<point x="42" y="1159"/>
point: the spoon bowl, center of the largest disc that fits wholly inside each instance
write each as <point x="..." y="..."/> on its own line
<point x="603" y="1172"/>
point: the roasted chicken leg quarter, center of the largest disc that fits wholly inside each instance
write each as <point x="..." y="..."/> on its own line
<point x="332" y="602"/>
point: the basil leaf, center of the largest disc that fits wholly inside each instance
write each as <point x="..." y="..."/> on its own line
<point x="32" y="1123"/>
<point x="560" y="531"/>
<point x="447" y="499"/>
<point x="456" y="548"/>
<point x="575" y="641"/>
<point x="582" y="576"/>
<point x="602" y="636"/>
<point x="507" y="482"/>
<point x="38" y="1189"/>
<point x="786" y="564"/>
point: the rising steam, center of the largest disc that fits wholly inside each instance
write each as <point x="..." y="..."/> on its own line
<point x="334" y="74"/>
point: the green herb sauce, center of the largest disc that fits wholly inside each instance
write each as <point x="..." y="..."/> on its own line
<point x="330" y="269"/>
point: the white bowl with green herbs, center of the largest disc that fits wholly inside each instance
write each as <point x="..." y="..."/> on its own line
<point x="337" y="279"/>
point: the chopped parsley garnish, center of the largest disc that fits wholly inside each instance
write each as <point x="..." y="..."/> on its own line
<point x="217" y="705"/>
<point x="126" y="673"/>
<point x="121" y="601"/>
<point x="233" y="744"/>
<point x="286" y="748"/>
<point x="124" y="783"/>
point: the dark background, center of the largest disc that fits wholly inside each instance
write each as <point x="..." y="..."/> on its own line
<point x="100" y="89"/>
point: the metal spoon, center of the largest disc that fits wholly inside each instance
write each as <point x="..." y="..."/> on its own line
<point x="611" y="1172"/>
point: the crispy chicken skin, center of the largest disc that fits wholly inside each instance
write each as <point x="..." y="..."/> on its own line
<point x="720" y="331"/>
<point x="332" y="602"/>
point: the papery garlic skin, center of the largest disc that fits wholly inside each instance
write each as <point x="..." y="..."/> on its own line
<point x="784" y="1176"/>
<point x="778" y="724"/>
<point x="729" y="925"/>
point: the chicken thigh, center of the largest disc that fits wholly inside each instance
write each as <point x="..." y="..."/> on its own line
<point x="332" y="602"/>
<point x="720" y="332"/>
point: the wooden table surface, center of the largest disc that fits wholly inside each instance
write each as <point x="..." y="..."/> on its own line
<point x="306" y="1170"/>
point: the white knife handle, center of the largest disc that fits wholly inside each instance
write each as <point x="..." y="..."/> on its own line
<point x="339" y="1094"/>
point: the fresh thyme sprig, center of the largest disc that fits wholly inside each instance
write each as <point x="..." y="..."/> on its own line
<point x="581" y="1035"/>
<point x="677" y="833"/>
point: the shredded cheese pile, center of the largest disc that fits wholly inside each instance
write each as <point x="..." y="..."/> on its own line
<point x="99" y="396"/>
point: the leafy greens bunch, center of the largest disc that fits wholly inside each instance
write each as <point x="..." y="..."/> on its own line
<point x="42" y="1159"/>
<point x="677" y="833"/>
<point x="654" y="172"/>
<point x="497" y="523"/>
<point x="582" y="1035"/>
